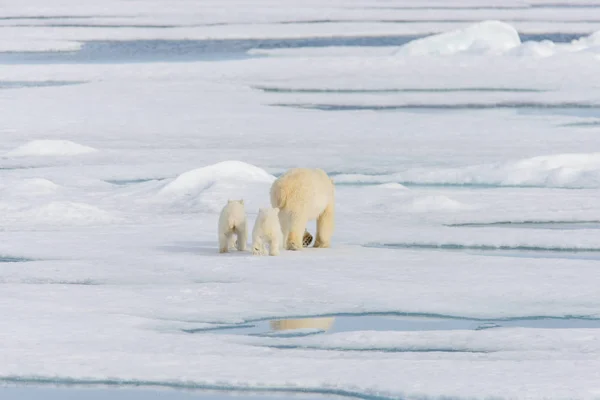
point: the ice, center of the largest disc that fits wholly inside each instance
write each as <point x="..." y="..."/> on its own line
<point x="484" y="37"/>
<point x="559" y="170"/>
<point x="50" y="148"/>
<point x="467" y="181"/>
<point x="37" y="44"/>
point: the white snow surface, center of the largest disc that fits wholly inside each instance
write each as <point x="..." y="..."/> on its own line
<point x="50" y="148"/>
<point x="467" y="171"/>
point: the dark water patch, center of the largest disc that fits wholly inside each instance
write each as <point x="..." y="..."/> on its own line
<point x="587" y="124"/>
<point x="135" y="51"/>
<point x="49" y="17"/>
<point x="483" y="247"/>
<point x="295" y="327"/>
<point x="538" y="252"/>
<point x="234" y="390"/>
<point x="125" y="182"/>
<point x="78" y="392"/>
<point x="10" y="259"/>
<point x="565" y="5"/>
<point x="398" y="90"/>
<point x="34" y="84"/>
<point x="218" y="328"/>
<point x="72" y="25"/>
<point x="413" y="184"/>
<point x="187" y="50"/>
<point x="561" y="225"/>
<point x="375" y="349"/>
<point x="440" y="107"/>
<point x="558" y="35"/>
<point x="457" y="7"/>
<point x="44" y="281"/>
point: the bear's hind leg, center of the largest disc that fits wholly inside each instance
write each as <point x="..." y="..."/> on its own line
<point x="224" y="241"/>
<point x="296" y="232"/>
<point x="231" y="240"/>
<point x="325" y="225"/>
<point x="274" y="246"/>
<point x="284" y="222"/>
<point x="242" y="237"/>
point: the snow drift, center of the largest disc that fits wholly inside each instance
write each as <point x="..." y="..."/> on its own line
<point x="50" y="148"/>
<point x="208" y="188"/>
<point x="578" y="170"/>
<point x="484" y="37"/>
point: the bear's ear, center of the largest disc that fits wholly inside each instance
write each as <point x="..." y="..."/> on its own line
<point x="242" y="201"/>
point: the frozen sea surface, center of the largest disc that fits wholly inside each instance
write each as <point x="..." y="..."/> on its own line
<point x="462" y="139"/>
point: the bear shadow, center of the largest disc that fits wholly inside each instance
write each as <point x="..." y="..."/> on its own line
<point x="202" y="249"/>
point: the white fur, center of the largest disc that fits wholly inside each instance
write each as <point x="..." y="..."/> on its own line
<point x="232" y="221"/>
<point x="267" y="230"/>
<point x="304" y="194"/>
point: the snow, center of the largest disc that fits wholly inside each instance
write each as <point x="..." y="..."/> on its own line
<point x="484" y="37"/>
<point x="557" y="170"/>
<point x="208" y="188"/>
<point x="50" y="148"/>
<point x="467" y="175"/>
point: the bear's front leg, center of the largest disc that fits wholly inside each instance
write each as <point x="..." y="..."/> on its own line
<point x="258" y="247"/>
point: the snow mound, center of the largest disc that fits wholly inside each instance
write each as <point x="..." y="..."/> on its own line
<point x="586" y="42"/>
<point x="50" y="148"/>
<point x="575" y="170"/>
<point x="67" y="213"/>
<point x="394" y="198"/>
<point x="560" y="170"/>
<point x="433" y="203"/>
<point x="484" y="37"/>
<point x="27" y="187"/>
<point x="204" y="177"/>
<point x="37" y="186"/>
<point x="547" y="48"/>
<point x="208" y="188"/>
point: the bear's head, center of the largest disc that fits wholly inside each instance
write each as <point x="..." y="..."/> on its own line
<point x="269" y="211"/>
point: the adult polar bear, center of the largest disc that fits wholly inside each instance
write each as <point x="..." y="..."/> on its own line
<point x="302" y="195"/>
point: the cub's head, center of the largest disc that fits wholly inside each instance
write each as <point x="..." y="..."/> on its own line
<point x="240" y="202"/>
<point x="268" y="211"/>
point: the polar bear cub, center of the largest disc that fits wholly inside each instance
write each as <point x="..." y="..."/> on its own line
<point x="267" y="230"/>
<point x="232" y="221"/>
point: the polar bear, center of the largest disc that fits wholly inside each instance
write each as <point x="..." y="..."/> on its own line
<point x="232" y="221"/>
<point x="267" y="230"/>
<point x="304" y="194"/>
